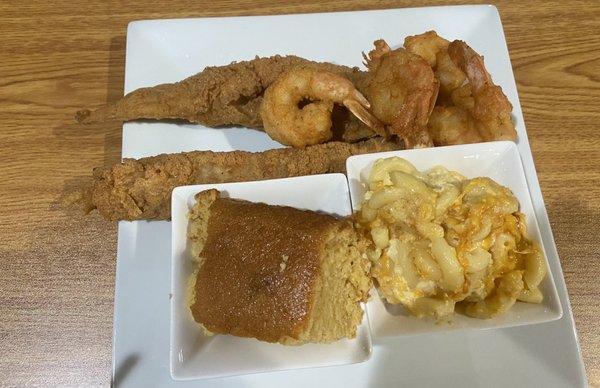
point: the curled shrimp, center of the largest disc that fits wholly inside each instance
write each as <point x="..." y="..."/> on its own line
<point x="402" y="91"/>
<point x="289" y="123"/>
<point x="470" y="107"/>
<point x="434" y="49"/>
<point x="490" y="106"/>
<point x="426" y="45"/>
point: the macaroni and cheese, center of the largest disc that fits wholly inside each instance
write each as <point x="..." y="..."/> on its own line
<point x="441" y="241"/>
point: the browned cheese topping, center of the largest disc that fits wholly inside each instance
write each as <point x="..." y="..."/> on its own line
<point x="260" y="263"/>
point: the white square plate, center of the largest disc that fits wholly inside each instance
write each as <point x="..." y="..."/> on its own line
<point x="169" y="50"/>
<point x="497" y="160"/>
<point x="195" y="355"/>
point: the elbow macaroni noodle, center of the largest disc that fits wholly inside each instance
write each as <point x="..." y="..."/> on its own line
<point x="439" y="239"/>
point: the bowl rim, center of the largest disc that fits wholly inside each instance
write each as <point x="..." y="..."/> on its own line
<point x="181" y="195"/>
<point x="355" y="166"/>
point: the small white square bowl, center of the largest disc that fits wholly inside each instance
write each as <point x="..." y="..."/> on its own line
<point x="497" y="160"/>
<point x="194" y="355"/>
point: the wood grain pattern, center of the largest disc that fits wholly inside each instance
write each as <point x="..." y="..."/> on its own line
<point x="57" y="271"/>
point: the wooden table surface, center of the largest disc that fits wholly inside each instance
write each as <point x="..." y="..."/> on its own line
<point x="57" y="269"/>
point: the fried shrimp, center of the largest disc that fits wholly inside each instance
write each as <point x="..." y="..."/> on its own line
<point x="286" y="121"/>
<point x="450" y="125"/>
<point x="434" y="49"/>
<point x="490" y="107"/>
<point x="470" y="107"/>
<point x="402" y="91"/>
<point x="426" y="45"/>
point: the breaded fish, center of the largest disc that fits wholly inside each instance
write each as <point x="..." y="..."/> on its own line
<point x="141" y="189"/>
<point x="217" y="96"/>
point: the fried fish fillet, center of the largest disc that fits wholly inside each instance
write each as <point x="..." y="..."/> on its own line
<point x="141" y="189"/>
<point x="217" y="96"/>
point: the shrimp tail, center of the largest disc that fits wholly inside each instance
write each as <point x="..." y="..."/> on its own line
<point x="470" y="63"/>
<point x="411" y="123"/>
<point x="372" y="59"/>
<point x="359" y="106"/>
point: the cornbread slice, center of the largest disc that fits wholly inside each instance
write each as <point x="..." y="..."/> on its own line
<point x="276" y="273"/>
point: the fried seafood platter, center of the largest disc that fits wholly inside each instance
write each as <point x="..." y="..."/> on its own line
<point x="426" y="92"/>
<point x="415" y="231"/>
<point x="297" y="194"/>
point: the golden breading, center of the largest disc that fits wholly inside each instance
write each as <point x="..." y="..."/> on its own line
<point x="141" y="189"/>
<point x="217" y="96"/>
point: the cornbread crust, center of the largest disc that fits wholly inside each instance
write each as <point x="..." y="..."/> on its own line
<point x="275" y="273"/>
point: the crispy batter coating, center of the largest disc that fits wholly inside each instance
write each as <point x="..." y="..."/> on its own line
<point x="490" y="107"/>
<point x="402" y="90"/>
<point x="141" y="189"/>
<point x="426" y="45"/>
<point x="318" y="91"/>
<point x="217" y="96"/>
<point x="470" y="107"/>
